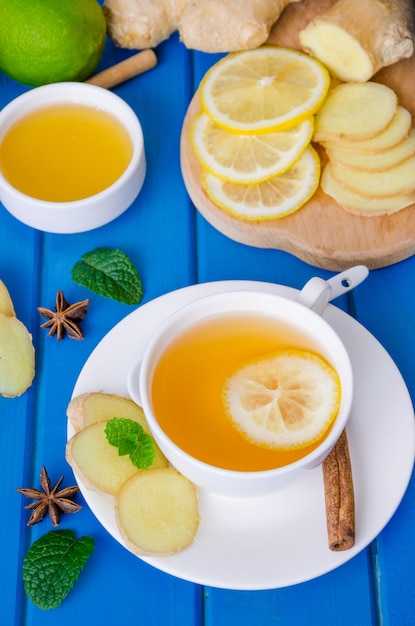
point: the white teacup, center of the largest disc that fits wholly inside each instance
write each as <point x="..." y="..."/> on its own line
<point x="304" y="317"/>
<point x="89" y="212"/>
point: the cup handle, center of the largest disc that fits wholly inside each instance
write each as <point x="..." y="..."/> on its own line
<point x="133" y="379"/>
<point x="317" y="293"/>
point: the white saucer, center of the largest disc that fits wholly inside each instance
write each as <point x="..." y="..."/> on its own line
<point x="278" y="540"/>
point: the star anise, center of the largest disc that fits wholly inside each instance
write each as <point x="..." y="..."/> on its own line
<point x="63" y="320"/>
<point x="50" y="500"/>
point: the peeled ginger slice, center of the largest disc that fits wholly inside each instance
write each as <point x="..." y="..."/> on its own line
<point x="393" y="134"/>
<point x="17" y="357"/>
<point x="355" y="111"/>
<point x="97" y="406"/>
<point x="375" y="162"/>
<point x="98" y="463"/>
<point x="6" y="303"/>
<point x="359" y="204"/>
<point x="157" y="512"/>
<point x="395" y="180"/>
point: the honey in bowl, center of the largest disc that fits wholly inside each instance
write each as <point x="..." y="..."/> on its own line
<point x="186" y="390"/>
<point x="65" y="152"/>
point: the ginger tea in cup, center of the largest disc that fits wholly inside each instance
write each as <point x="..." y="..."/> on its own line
<point x="187" y="387"/>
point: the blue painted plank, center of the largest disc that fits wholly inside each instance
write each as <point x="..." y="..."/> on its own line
<point x="16" y="414"/>
<point x="386" y="306"/>
<point x="339" y="597"/>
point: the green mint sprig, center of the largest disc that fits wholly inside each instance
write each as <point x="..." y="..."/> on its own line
<point x="129" y="437"/>
<point x="110" y="273"/>
<point x="52" y="566"/>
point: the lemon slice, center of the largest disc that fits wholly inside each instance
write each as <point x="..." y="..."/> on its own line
<point x="274" y="198"/>
<point x="284" y="401"/>
<point x="246" y="159"/>
<point x="264" y="89"/>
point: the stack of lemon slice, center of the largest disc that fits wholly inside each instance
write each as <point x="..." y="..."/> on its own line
<point x="253" y="135"/>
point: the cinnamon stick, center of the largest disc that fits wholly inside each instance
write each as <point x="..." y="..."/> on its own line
<point x="339" y="496"/>
<point x="119" y="73"/>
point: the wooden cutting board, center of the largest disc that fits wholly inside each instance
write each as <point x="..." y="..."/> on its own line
<point x="320" y="233"/>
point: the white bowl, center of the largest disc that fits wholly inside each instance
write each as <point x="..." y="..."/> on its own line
<point x="321" y="336"/>
<point x="91" y="212"/>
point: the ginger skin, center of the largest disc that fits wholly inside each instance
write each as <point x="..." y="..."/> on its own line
<point x="217" y="26"/>
<point x="206" y="25"/>
<point x="139" y="24"/>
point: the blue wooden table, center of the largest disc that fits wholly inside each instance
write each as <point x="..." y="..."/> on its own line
<point x="174" y="247"/>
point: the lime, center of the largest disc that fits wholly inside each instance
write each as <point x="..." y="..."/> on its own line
<point x="49" y="41"/>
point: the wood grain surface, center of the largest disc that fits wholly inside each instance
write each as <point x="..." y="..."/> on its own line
<point x="320" y="233"/>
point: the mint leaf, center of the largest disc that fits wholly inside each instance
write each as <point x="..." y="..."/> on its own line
<point x="52" y="566"/>
<point x="145" y="450"/>
<point x="128" y="445"/>
<point x="109" y="273"/>
<point x="118" y="430"/>
<point x="129" y="437"/>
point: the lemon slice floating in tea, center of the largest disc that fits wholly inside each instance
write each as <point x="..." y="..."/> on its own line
<point x="284" y="401"/>
<point x="243" y="158"/>
<point x="265" y="89"/>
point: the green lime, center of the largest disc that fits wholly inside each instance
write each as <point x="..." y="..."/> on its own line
<point x="49" y="41"/>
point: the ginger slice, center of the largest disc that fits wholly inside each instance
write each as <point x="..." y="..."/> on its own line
<point x="360" y="204"/>
<point x="392" y="135"/>
<point x="88" y="408"/>
<point x="395" y="180"/>
<point x="17" y="357"/>
<point x="157" y="512"/>
<point x="98" y="463"/>
<point x="355" y="111"/>
<point x="355" y="39"/>
<point x="6" y="304"/>
<point x="376" y="162"/>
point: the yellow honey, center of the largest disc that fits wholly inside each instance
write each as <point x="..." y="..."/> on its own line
<point x="65" y="152"/>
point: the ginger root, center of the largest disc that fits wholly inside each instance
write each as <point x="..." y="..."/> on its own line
<point x="355" y="39"/>
<point x="139" y="24"/>
<point x="206" y="25"/>
<point x="217" y="26"/>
